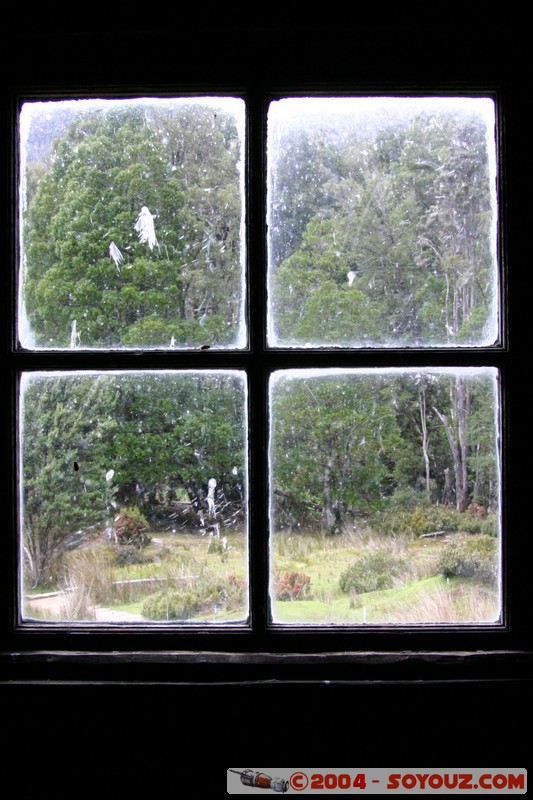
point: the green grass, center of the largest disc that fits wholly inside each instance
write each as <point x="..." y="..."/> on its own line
<point x="420" y="594"/>
<point x="378" y="607"/>
<point x="430" y="600"/>
<point x="200" y="565"/>
<point x="209" y="566"/>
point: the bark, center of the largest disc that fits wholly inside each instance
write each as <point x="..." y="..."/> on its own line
<point x="425" y="441"/>
<point x="456" y="435"/>
<point x="328" y="516"/>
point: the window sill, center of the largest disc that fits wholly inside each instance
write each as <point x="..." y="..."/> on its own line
<point x="207" y="667"/>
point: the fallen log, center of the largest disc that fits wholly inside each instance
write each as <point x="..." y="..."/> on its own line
<point x="156" y="580"/>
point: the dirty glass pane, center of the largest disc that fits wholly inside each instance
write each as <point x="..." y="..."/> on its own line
<point x="382" y="222"/>
<point x="131" y="224"/>
<point x="385" y="496"/>
<point x="133" y="497"/>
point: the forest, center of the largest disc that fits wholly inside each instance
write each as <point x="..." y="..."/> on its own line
<point x="382" y="223"/>
<point x="131" y="231"/>
<point x="384" y="483"/>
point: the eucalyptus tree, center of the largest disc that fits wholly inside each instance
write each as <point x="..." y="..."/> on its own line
<point x="455" y="238"/>
<point x="469" y="418"/>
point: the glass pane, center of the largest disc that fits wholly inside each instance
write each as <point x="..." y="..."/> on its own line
<point x="133" y="497"/>
<point x="132" y="224"/>
<point x="385" y="496"/>
<point x="382" y="222"/>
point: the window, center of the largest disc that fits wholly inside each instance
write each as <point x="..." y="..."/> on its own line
<point x="263" y="370"/>
<point x="132" y="217"/>
<point x="114" y="196"/>
<point x="382" y="220"/>
<point x="382" y="234"/>
<point x="351" y="539"/>
<point x="98" y="449"/>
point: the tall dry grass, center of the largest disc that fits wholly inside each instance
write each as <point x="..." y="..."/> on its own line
<point x="471" y="603"/>
<point x="87" y="582"/>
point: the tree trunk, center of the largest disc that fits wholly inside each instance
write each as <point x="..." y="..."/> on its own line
<point x="456" y="435"/>
<point x="425" y="442"/>
<point x="461" y="407"/>
<point x="328" y="514"/>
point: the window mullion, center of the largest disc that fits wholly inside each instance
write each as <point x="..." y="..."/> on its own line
<point x="257" y="372"/>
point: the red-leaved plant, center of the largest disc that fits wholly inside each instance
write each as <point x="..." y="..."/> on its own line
<point x="292" y="586"/>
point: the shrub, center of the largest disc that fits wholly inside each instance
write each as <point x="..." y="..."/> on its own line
<point x="405" y="499"/>
<point x="435" y="518"/>
<point x="487" y="525"/>
<point x="416" y="521"/>
<point x="131" y="528"/>
<point x="293" y="586"/>
<point x="392" y="522"/>
<point x="170" y="604"/>
<point x="207" y="595"/>
<point x="372" y="572"/>
<point x="476" y="558"/>
<point x="129" y="554"/>
<point x="398" y="520"/>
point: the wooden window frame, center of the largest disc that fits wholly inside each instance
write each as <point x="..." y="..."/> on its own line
<point x="262" y="651"/>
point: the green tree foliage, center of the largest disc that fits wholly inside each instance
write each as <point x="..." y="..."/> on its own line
<point x="393" y="246"/>
<point x="67" y="425"/>
<point x="312" y="297"/>
<point x="179" y="432"/>
<point x="306" y="163"/>
<point x="357" y="442"/>
<point x="181" y="165"/>
<point x="334" y="441"/>
<point x="92" y="445"/>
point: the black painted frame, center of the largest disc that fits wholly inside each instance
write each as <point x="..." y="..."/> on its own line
<point x="257" y="70"/>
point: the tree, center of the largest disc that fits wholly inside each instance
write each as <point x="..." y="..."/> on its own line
<point x="467" y="423"/>
<point x="455" y="238"/>
<point x="405" y="218"/>
<point x="95" y="443"/>
<point x="351" y="442"/>
<point x="483" y="463"/>
<point x="178" y="431"/>
<point x="303" y="162"/>
<point x="313" y="298"/>
<point x="455" y="426"/>
<point x="88" y="257"/>
<point x="334" y="442"/>
<point x="66" y="425"/>
<point x="204" y="150"/>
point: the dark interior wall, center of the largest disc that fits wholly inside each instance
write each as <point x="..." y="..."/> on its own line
<point x="192" y="734"/>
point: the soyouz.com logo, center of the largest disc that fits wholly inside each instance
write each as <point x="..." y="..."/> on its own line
<point x="377" y="781"/>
